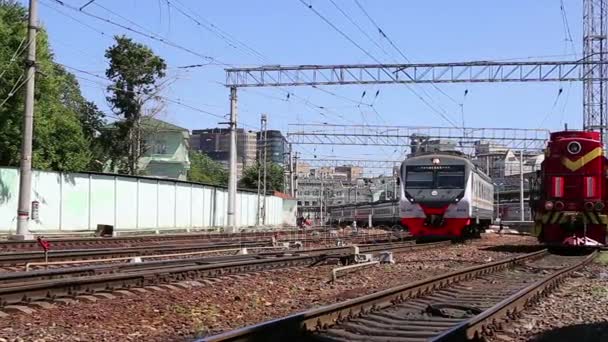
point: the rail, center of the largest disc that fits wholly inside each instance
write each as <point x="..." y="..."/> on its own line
<point x="315" y="321"/>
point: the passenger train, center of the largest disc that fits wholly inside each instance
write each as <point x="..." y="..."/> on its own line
<point x="443" y="195"/>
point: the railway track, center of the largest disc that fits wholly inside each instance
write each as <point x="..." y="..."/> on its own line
<point x="457" y="306"/>
<point x="18" y="288"/>
<point x="12" y="260"/>
<point x="126" y="241"/>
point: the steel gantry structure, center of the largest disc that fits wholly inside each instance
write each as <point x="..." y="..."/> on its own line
<point x="481" y="71"/>
<point x="403" y="136"/>
<point x="363" y="163"/>
<point x="591" y="70"/>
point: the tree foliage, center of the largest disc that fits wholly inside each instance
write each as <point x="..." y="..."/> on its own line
<point x="59" y="143"/>
<point x="203" y="169"/>
<point x="274" y="176"/>
<point x="136" y="73"/>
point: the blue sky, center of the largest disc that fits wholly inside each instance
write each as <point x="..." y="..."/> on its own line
<point x="287" y="32"/>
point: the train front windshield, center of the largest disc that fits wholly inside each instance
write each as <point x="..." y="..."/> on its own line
<point x="434" y="177"/>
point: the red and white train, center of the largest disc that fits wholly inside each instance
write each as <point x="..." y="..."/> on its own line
<point x="444" y="195"/>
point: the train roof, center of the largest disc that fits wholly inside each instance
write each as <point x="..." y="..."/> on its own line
<point x="454" y="155"/>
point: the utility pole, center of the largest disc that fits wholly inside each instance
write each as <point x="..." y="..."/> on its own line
<point x="232" y="174"/>
<point x="265" y="132"/>
<point x="25" y="179"/>
<point x="295" y="186"/>
<point x="321" y="201"/>
<point x="259" y="161"/>
<point x="521" y="184"/>
<point x="291" y="178"/>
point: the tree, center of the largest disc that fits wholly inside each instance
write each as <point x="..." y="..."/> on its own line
<point x="136" y="73"/>
<point x="274" y="177"/>
<point x="59" y="142"/>
<point x="205" y="170"/>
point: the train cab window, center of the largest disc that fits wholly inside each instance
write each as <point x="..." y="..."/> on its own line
<point x="450" y="179"/>
<point x="419" y="179"/>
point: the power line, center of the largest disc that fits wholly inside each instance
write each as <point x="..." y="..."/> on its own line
<point x="16" y="86"/>
<point x="150" y="36"/>
<point x="168" y="99"/>
<point x="328" y="22"/>
<point x="385" y="36"/>
<point x="74" y="19"/>
<point x="222" y="34"/>
<point x="352" y="21"/>
<point x="14" y="56"/>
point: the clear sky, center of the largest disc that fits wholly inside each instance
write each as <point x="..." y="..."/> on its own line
<point x="287" y="32"/>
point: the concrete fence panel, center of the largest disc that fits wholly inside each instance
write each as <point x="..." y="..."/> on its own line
<point x="81" y="201"/>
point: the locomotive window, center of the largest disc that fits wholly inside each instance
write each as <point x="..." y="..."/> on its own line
<point x="419" y="179"/>
<point x="450" y="179"/>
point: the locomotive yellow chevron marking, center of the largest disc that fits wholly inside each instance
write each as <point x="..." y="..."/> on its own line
<point x="582" y="161"/>
<point x="555" y="218"/>
<point x="603" y="219"/>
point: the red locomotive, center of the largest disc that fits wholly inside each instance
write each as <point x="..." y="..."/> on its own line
<point x="568" y="195"/>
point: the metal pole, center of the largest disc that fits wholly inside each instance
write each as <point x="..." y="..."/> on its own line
<point x="521" y="184"/>
<point x="291" y="178"/>
<point x="232" y="172"/>
<point x="295" y="186"/>
<point x="498" y="202"/>
<point x="265" y="161"/>
<point x="259" y="158"/>
<point x="321" y="201"/>
<point x="25" y="179"/>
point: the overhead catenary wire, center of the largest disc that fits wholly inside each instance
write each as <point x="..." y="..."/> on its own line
<point x="401" y="53"/>
<point x="332" y="25"/>
<point x="18" y="51"/>
<point x="14" y="89"/>
<point x="233" y="42"/>
<point x="168" y="99"/>
<point x="139" y="32"/>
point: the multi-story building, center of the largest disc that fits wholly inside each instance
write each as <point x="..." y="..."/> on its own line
<point x="215" y="142"/>
<point x="164" y="149"/>
<point x="277" y="146"/>
<point x="350" y="172"/>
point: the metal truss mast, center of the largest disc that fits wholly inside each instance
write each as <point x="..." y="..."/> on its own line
<point x="594" y="49"/>
<point x="483" y="71"/>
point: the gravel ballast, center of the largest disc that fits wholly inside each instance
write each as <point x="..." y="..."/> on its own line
<point x="235" y="301"/>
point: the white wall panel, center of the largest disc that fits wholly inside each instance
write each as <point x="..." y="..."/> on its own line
<point x="166" y="204"/>
<point x="81" y="201"/>
<point x="182" y="208"/>
<point x="102" y="200"/>
<point x="126" y="203"/>
<point x="75" y="202"/>
<point x="9" y="197"/>
<point x="197" y="205"/>
<point x="221" y="205"/>
<point x="46" y="189"/>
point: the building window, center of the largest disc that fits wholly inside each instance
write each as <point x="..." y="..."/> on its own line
<point x="306" y="203"/>
<point x="159" y="147"/>
<point x="299" y="202"/>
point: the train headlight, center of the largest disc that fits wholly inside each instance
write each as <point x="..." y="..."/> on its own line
<point x="548" y="205"/>
<point x="589" y="206"/>
<point x="574" y="147"/>
<point x="599" y="206"/>
<point x="559" y="205"/>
